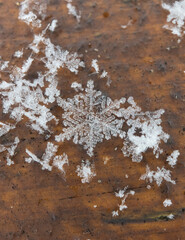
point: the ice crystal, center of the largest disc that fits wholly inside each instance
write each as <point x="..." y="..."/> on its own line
<point x="167" y="202"/>
<point x="5" y="128"/>
<point x="145" y="132"/>
<point x="94" y="64"/>
<point x="73" y="11"/>
<point x="158" y="176"/>
<point x="10" y="149"/>
<point x="53" y="25"/>
<point x="18" y="54"/>
<point x="3" y="64"/>
<point x="123" y="194"/>
<point x="90" y="117"/>
<point x="48" y="159"/>
<point x="176" y="17"/>
<point x="172" y="159"/>
<point x="86" y="171"/>
<point x="102" y="73"/>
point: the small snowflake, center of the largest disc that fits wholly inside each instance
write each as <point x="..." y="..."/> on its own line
<point x="158" y="176"/>
<point x="167" y="202"/>
<point x="90" y="118"/>
<point x="86" y="171"/>
<point x="123" y="195"/>
<point x="172" y="159"/>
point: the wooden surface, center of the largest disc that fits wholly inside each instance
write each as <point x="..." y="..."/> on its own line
<point x="144" y="61"/>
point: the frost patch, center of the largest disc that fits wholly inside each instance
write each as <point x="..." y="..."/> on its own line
<point x="89" y="118"/>
<point x="167" y="203"/>
<point x="73" y="11"/>
<point x="48" y="157"/>
<point x="122" y="194"/>
<point x="157" y="176"/>
<point x="176" y="17"/>
<point x="172" y="159"/>
<point x="86" y="171"/>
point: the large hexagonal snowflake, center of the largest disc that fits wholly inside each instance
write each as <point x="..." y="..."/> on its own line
<point x="91" y="117"/>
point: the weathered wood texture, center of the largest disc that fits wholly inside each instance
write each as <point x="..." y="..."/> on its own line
<point x="144" y="61"/>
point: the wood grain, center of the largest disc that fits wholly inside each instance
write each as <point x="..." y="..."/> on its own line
<point x="144" y="61"/>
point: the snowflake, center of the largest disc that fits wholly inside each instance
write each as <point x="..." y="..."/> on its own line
<point x="86" y="171"/>
<point x="90" y="117"/>
<point x="172" y="159"/>
<point x="167" y="202"/>
<point x="123" y="195"/>
<point x="158" y="176"/>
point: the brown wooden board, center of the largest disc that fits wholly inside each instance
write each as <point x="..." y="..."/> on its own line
<point x="145" y="61"/>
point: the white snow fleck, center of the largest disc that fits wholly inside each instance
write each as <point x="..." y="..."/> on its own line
<point x="53" y="25"/>
<point x="115" y="213"/>
<point x="104" y="74"/>
<point x="172" y="159"/>
<point x="86" y="171"/>
<point x="77" y="86"/>
<point x="167" y="203"/>
<point x="176" y="17"/>
<point x="18" y="54"/>
<point x="94" y="64"/>
<point x="171" y="216"/>
<point x="158" y="176"/>
<point x="128" y="24"/>
<point x="73" y="11"/>
<point x="3" y="64"/>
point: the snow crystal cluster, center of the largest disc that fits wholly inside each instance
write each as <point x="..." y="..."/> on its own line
<point x="157" y="176"/>
<point x="176" y="17"/>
